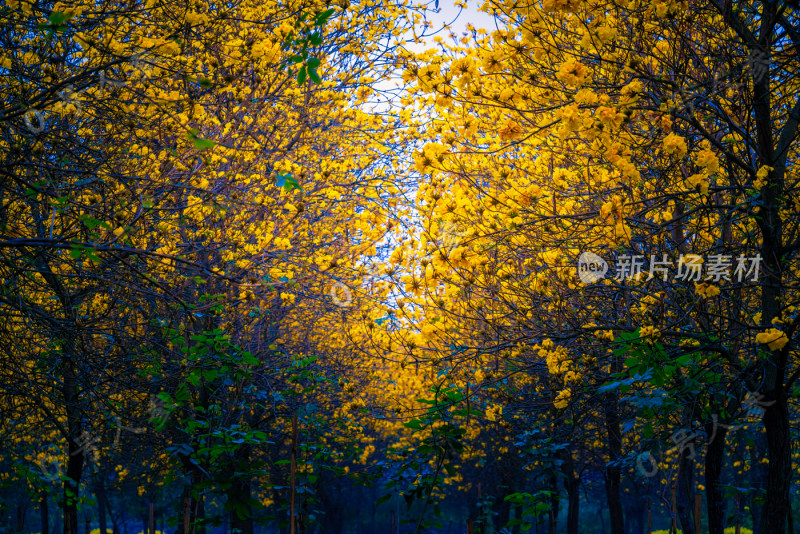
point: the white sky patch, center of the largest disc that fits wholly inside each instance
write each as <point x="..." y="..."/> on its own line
<point x="457" y="18"/>
<point x="449" y="19"/>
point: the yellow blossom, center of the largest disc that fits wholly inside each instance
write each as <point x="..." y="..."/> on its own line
<point x="774" y="338"/>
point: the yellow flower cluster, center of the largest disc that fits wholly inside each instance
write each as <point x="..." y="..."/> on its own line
<point x="774" y="338"/>
<point x="562" y="399"/>
<point x="706" y="290"/>
<point x="761" y="177"/>
<point x="493" y="412"/>
<point x="675" y="144"/>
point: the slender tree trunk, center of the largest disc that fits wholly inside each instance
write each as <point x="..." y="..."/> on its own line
<point x="511" y="469"/>
<point x="114" y="524"/>
<point x="292" y="475"/>
<point x="779" y="472"/>
<point x="185" y="516"/>
<point x="20" y="523"/>
<point x="553" y="504"/>
<point x="240" y="493"/>
<point x="76" y="450"/>
<point x="192" y="509"/>
<point x="44" y="513"/>
<point x="613" y="472"/>
<point x="100" y="495"/>
<point x="759" y="478"/>
<point x="776" y="419"/>
<point x="573" y="495"/>
<point x="715" y="454"/>
<point x="684" y="489"/>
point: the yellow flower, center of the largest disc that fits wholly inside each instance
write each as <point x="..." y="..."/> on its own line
<point x="698" y="183"/>
<point x="675" y="144"/>
<point x="761" y="177"/>
<point x="706" y="290"/>
<point x="562" y="400"/>
<point x="774" y="338"/>
<point x="708" y="160"/>
<point x="572" y="73"/>
<point x="493" y="411"/>
<point x="649" y="331"/>
<point x="510" y="131"/>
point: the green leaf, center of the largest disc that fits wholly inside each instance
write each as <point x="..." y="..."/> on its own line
<point x="323" y="17"/>
<point x="292" y="183"/>
<point x="414" y="424"/>
<point x="249" y="358"/>
<point x="92" y="254"/>
<point x="202" y="144"/>
<point x="647" y="431"/>
<point x="301" y="76"/>
<point x="312" y="73"/>
<point x="199" y="143"/>
<point x="210" y="375"/>
<point x="55" y="23"/>
<point x="58" y="18"/>
<point x="313" y="62"/>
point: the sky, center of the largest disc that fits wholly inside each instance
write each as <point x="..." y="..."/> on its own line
<point x="449" y="12"/>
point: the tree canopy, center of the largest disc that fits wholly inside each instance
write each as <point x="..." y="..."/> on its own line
<point x="310" y="266"/>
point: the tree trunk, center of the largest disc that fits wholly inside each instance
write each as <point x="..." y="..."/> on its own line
<point x="240" y="493"/>
<point x="76" y="450"/>
<point x="44" y="513"/>
<point x="192" y="509"/>
<point x="114" y="525"/>
<point x="758" y="480"/>
<point x="684" y="490"/>
<point x="100" y="495"/>
<point x="776" y="419"/>
<point x="20" y="523"/>
<point x="613" y="472"/>
<point x="776" y="505"/>
<point x="553" y="504"/>
<point x="573" y="495"/>
<point x="715" y="454"/>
